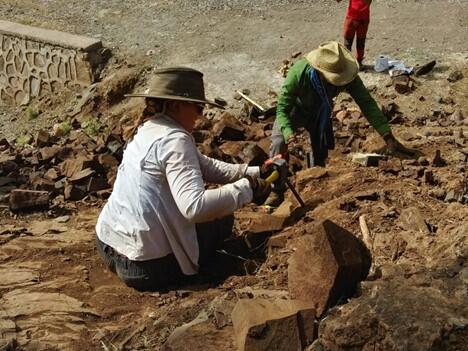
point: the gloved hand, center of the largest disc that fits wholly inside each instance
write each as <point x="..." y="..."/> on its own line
<point x="266" y="169"/>
<point x="394" y="147"/>
<point x="260" y="188"/>
<point x="292" y="139"/>
<point x="276" y="163"/>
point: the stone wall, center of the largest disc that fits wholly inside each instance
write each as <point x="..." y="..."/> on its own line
<point x="35" y="62"/>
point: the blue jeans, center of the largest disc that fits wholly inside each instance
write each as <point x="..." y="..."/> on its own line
<point x="164" y="272"/>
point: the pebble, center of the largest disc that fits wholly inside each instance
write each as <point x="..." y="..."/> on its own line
<point x="62" y="219"/>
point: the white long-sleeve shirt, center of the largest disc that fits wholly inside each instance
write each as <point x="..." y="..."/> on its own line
<point x="159" y="194"/>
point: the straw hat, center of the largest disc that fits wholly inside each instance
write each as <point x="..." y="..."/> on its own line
<point x="335" y="62"/>
<point x="177" y="83"/>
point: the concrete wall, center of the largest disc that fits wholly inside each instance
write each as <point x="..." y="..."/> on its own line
<point x="35" y="62"/>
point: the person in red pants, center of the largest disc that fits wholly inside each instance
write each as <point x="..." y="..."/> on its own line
<point x="356" y="25"/>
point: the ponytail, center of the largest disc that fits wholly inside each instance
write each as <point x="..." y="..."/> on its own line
<point x="153" y="108"/>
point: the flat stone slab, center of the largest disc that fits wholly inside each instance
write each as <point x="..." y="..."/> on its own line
<point x="326" y="266"/>
<point x="272" y="324"/>
<point x="55" y="37"/>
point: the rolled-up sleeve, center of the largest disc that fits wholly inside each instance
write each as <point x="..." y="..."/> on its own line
<point x="180" y="159"/>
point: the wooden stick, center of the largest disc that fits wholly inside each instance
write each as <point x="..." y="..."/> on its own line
<point x="366" y="236"/>
<point x="260" y="107"/>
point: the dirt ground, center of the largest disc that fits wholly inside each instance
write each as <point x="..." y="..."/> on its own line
<point x="55" y="292"/>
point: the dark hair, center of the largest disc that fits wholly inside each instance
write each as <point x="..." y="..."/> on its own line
<point x="153" y="106"/>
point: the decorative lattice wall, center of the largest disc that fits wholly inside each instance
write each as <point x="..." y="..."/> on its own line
<point x="35" y="62"/>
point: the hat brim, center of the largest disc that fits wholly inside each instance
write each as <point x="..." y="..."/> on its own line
<point x="338" y="79"/>
<point x="176" y="98"/>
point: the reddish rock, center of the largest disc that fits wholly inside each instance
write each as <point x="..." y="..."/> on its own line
<point x="70" y="167"/>
<point x="107" y="161"/>
<point x="201" y="334"/>
<point x="425" y="68"/>
<point x="49" y="152"/>
<point x="26" y="200"/>
<point x="342" y="115"/>
<point x="244" y="152"/>
<point x="429" y="177"/>
<point x="229" y="128"/>
<point x="397" y="315"/>
<point x="438" y="161"/>
<point x="8" y="163"/>
<point x="43" y="184"/>
<point x="402" y="84"/>
<point x="232" y="148"/>
<point x="51" y="174"/>
<point x="327" y="265"/>
<point x="279" y="240"/>
<point x="412" y="219"/>
<point x="252" y="155"/>
<point x="455" y="76"/>
<point x="355" y="115"/>
<point x="82" y="175"/>
<point x="258" y="222"/>
<point x="73" y="192"/>
<point x="202" y="123"/>
<point x="305" y="176"/>
<point x="201" y="135"/>
<point x="42" y="138"/>
<point x="96" y="184"/>
<point x="280" y="325"/>
<point x="370" y="195"/>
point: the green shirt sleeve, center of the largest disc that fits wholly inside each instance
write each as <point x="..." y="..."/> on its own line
<point x="286" y="101"/>
<point x="368" y="106"/>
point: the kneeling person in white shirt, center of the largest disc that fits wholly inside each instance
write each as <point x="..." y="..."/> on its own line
<point x="147" y="231"/>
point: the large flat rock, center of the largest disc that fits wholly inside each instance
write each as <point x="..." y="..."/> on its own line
<point x="327" y="265"/>
<point x="267" y="324"/>
<point x="397" y="315"/>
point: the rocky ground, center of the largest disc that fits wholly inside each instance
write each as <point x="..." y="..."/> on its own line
<point x="55" y="292"/>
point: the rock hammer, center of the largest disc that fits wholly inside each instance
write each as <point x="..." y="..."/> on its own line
<point x="281" y="171"/>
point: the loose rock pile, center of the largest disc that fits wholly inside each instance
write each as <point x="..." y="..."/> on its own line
<point x="377" y="260"/>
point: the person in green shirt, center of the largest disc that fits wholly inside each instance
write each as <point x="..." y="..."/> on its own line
<point x="306" y="101"/>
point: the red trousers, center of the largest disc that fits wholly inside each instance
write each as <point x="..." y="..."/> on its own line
<point x="356" y="28"/>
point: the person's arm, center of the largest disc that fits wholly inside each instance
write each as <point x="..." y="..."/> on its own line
<point x="178" y="156"/>
<point x="376" y="118"/>
<point x="286" y="101"/>
<point x="219" y="172"/>
<point x="368" y="106"/>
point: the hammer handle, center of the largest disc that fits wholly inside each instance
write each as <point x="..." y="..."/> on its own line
<point x="272" y="177"/>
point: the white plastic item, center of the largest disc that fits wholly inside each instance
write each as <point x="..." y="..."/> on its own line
<point x="381" y="63"/>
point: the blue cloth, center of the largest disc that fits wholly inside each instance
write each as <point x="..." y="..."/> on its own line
<point x="322" y="138"/>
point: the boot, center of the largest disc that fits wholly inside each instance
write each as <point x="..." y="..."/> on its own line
<point x="275" y="199"/>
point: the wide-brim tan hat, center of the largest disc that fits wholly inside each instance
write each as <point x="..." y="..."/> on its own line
<point x="177" y="83"/>
<point x="336" y="63"/>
